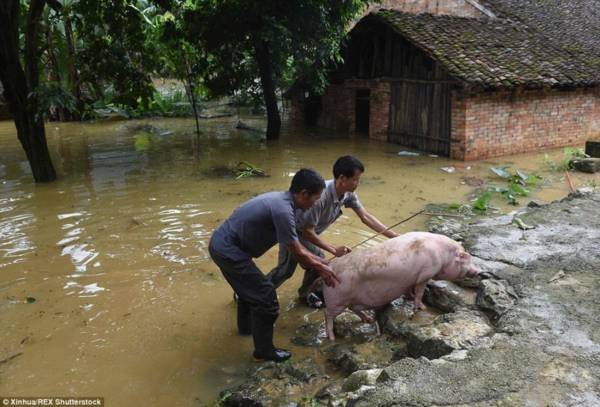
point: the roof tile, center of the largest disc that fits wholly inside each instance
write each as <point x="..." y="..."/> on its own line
<point x="495" y="52"/>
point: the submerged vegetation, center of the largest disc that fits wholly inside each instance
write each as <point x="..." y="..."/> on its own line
<point x="242" y="169"/>
<point x="169" y="104"/>
<point x="517" y="185"/>
<point x="245" y="169"/>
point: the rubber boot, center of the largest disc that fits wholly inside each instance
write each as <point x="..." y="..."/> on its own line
<point x="262" y="332"/>
<point x="244" y="317"/>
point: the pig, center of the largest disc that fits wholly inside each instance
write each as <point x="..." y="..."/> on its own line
<point x="371" y="278"/>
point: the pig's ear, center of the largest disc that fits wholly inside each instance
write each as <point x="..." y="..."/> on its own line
<point x="461" y="255"/>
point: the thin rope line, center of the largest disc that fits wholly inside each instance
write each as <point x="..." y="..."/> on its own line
<point x="391" y="227"/>
<point x="385" y="230"/>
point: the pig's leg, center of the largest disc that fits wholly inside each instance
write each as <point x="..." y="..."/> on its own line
<point x="418" y="290"/>
<point x="367" y="319"/>
<point x="330" y="314"/>
<point x="362" y="315"/>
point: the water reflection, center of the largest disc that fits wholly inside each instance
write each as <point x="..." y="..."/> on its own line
<point x="87" y="290"/>
<point x="15" y="242"/>
<point x="82" y="254"/>
<point x="179" y="240"/>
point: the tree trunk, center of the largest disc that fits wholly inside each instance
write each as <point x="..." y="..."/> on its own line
<point x="263" y="59"/>
<point x="32" y="136"/>
<point x="73" y="75"/>
<point x="18" y="85"/>
<point x="191" y="91"/>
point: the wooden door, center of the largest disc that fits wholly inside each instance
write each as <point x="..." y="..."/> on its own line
<point x="420" y="116"/>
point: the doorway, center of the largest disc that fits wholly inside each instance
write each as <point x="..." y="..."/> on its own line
<point x="362" y="110"/>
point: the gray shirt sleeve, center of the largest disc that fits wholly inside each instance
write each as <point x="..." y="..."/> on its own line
<point x="284" y="220"/>
<point x="312" y="215"/>
<point x="352" y="201"/>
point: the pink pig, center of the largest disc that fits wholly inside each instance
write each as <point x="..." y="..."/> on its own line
<point x="373" y="277"/>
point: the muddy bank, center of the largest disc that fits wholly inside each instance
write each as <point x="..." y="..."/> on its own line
<point x="526" y="333"/>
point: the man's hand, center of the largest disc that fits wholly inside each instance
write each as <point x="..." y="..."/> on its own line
<point x="341" y="250"/>
<point x="310" y="261"/>
<point x="374" y="223"/>
<point x="327" y="274"/>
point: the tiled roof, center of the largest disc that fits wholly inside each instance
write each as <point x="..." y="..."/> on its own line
<point x="575" y="25"/>
<point x="497" y="52"/>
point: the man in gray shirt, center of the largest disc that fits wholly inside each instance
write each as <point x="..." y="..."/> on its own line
<point x="338" y="193"/>
<point x="248" y="233"/>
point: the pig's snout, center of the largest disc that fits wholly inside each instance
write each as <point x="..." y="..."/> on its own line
<point x="472" y="271"/>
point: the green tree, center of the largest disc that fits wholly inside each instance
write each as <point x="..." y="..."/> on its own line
<point x="177" y="57"/>
<point x="21" y="80"/>
<point x="61" y="88"/>
<point x="267" y="39"/>
<point x="112" y="50"/>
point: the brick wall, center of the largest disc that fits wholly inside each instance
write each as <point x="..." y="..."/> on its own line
<point x="339" y="107"/>
<point x="458" y="120"/>
<point x="379" y="110"/>
<point x="502" y="123"/>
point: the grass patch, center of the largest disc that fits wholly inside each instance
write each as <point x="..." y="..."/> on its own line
<point x="564" y="164"/>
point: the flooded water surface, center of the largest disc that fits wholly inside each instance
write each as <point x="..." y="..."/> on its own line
<point x="106" y="287"/>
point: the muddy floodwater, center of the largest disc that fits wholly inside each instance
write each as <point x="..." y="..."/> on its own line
<point x="106" y="287"/>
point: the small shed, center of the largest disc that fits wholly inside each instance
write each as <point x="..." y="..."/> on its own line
<point x="469" y="80"/>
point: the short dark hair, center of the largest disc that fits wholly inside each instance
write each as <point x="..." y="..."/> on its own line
<point x="347" y="166"/>
<point x="309" y="180"/>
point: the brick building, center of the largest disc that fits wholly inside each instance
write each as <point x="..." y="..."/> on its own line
<point x="468" y="79"/>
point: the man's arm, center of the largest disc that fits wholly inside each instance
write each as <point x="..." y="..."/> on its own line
<point x="310" y="261"/>
<point x="309" y="234"/>
<point x="372" y="222"/>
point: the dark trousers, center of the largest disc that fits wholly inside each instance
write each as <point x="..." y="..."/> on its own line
<point x="258" y="307"/>
<point x="286" y="266"/>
